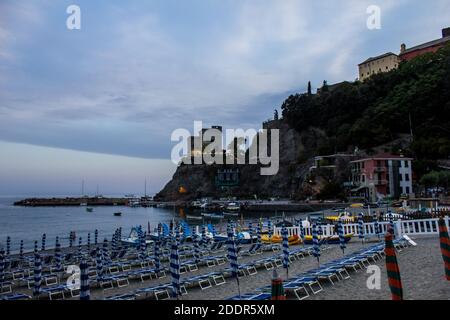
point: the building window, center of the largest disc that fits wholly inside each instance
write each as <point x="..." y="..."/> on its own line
<point x="406" y="164"/>
<point x="407" y="190"/>
<point x="406" y="177"/>
<point x="363" y="178"/>
<point x="400" y="177"/>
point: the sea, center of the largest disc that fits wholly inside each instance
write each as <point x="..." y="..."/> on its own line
<point x="30" y="223"/>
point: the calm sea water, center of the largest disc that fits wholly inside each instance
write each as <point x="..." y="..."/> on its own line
<point x="28" y="223"/>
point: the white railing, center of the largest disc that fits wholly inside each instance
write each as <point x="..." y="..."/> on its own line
<point x="402" y="227"/>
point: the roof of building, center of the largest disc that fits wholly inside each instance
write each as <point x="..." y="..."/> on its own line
<point x="384" y="156"/>
<point x="427" y="45"/>
<point x="388" y="54"/>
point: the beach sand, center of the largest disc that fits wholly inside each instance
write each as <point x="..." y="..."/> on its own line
<point x="421" y="267"/>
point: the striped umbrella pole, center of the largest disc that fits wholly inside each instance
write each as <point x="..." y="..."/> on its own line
<point x="8" y="246"/>
<point x="269" y="228"/>
<point x="341" y="236"/>
<point x="445" y="246"/>
<point x="21" y="250"/>
<point x="393" y="271"/>
<point x="232" y="256"/>
<point x="302" y="232"/>
<point x="196" y="248"/>
<point x="250" y="229"/>
<point x="177" y="233"/>
<point x="204" y="240"/>
<point x="80" y="247"/>
<point x="71" y="239"/>
<point x="156" y="254"/>
<point x="258" y="233"/>
<point x="58" y="257"/>
<point x="175" y="269"/>
<point x="2" y="265"/>
<point x="99" y="264"/>
<point x="391" y="223"/>
<point x="105" y="256"/>
<point x="277" y="287"/>
<point x="284" y="233"/>
<point x="44" y="238"/>
<point x="84" y="281"/>
<point x="89" y="241"/>
<point x="316" y="247"/>
<point x="96" y="237"/>
<point x="361" y="227"/>
<point x="377" y="228"/>
<point x="37" y="272"/>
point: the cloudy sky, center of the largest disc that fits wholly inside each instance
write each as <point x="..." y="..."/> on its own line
<point x="100" y="103"/>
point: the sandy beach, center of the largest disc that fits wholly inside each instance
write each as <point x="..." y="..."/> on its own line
<point x="421" y="267"/>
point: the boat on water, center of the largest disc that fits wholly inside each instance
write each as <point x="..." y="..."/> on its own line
<point x="83" y="204"/>
<point x="233" y="207"/>
<point x="192" y="217"/>
<point x="213" y="215"/>
<point x="342" y="217"/>
<point x="231" y="214"/>
<point x="117" y="214"/>
<point x="89" y="209"/>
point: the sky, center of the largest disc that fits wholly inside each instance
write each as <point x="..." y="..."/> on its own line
<point x="100" y="103"/>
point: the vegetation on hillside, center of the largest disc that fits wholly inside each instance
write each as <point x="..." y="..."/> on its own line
<point x="414" y="98"/>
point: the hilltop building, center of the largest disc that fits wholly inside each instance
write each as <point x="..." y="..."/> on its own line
<point x="432" y="46"/>
<point x="383" y="63"/>
<point x="381" y="176"/>
<point x="390" y="61"/>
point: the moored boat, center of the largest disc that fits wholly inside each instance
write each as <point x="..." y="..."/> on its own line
<point x="117" y="214"/>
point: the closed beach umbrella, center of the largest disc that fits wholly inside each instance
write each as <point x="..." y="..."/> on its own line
<point x="89" y="241"/>
<point x="445" y="246"/>
<point x="99" y="264"/>
<point x="2" y="265"/>
<point x="258" y="233"/>
<point x="156" y="253"/>
<point x="250" y="229"/>
<point x="341" y="237"/>
<point x="84" y="281"/>
<point x="393" y="271"/>
<point x="377" y="228"/>
<point x="204" y="239"/>
<point x="316" y="247"/>
<point x="21" y="250"/>
<point x="37" y="273"/>
<point x="71" y="239"/>
<point x="44" y="238"/>
<point x="96" y="237"/>
<point x="277" y="287"/>
<point x="269" y="228"/>
<point x="8" y="246"/>
<point x="284" y="233"/>
<point x="196" y="248"/>
<point x="361" y="226"/>
<point x="302" y="231"/>
<point x="80" y="247"/>
<point x="177" y="233"/>
<point x="175" y="269"/>
<point x="58" y="257"/>
<point x="105" y="255"/>
<point x="391" y="223"/>
<point x="232" y="256"/>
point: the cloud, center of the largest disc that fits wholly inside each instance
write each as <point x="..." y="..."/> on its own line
<point x="136" y="72"/>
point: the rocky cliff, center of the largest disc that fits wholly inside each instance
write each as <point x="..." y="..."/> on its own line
<point x="194" y="181"/>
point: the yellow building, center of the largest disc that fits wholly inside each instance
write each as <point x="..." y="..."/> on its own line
<point x="384" y="63"/>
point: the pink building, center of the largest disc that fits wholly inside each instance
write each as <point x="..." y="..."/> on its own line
<point x="382" y="176"/>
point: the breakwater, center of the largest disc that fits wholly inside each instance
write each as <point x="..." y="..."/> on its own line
<point x="56" y="202"/>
